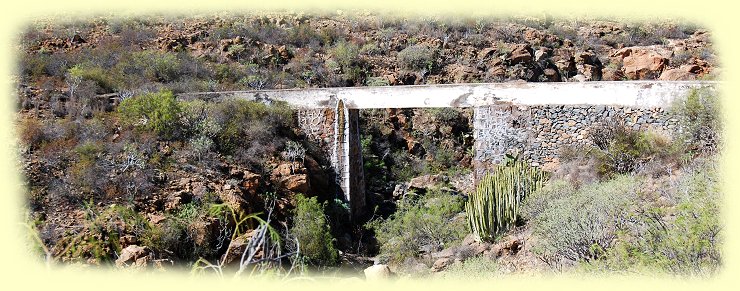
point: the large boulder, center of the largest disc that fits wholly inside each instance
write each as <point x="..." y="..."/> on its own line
<point x="642" y="62"/>
<point x="682" y="73"/>
<point x="135" y="256"/>
<point x="426" y="181"/>
<point x="589" y="66"/>
<point x="487" y="53"/>
<point x="291" y="177"/>
<point x="251" y="182"/>
<point x="233" y="197"/>
<point x="463" y="74"/>
<point x="377" y="272"/>
<point x="442" y="263"/>
<point x="296" y="183"/>
<point x="567" y="66"/>
<point x="521" y="53"/>
<point x="175" y="199"/>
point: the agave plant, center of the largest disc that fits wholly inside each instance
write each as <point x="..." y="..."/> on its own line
<point x="494" y="206"/>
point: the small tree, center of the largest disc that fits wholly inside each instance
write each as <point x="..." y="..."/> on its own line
<point x="311" y="230"/>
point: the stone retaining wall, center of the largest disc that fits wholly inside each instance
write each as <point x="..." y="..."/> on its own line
<point x="539" y="133"/>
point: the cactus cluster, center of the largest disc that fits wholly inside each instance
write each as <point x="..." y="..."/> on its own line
<point x="494" y="206"/>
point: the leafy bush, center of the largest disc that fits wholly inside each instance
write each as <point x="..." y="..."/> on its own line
<point x="579" y="224"/>
<point x="165" y="66"/>
<point x="345" y="53"/>
<point x="158" y="112"/>
<point x="429" y="222"/>
<point x="83" y="174"/>
<point x="494" y="206"/>
<point x="678" y="233"/>
<point x="700" y="118"/>
<point x="621" y="150"/>
<point x="97" y="74"/>
<point x="347" y="56"/>
<point x="303" y="35"/>
<point x="376" y="81"/>
<point x="418" y="57"/>
<point x="251" y="129"/>
<point x="225" y="73"/>
<point x="311" y="230"/>
<point x="34" y="65"/>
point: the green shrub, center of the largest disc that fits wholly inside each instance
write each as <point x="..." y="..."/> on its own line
<point x="345" y="53"/>
<point x="88" y="152"/>
<point x="302" y="35"/>
<point x="374" y="168"/>
<point x="311" y="230"/>
<point x="153" y="66"/>
<point x="376" y="81"/>
<point x="248" y="124"/>
<point x="542" y="200"/>
<point x="165" y="66"/>
<point x="621" y="150"/>
<point x="371" y="48"/>
<point x="195" y="230"/>
<point x="579" y="224"/>
<point x="428" y="222"/>
<point x="158" y="112"/>
<point x="347" y="56"/>
<point x="418" y="57"/>
<point x="494" y="206"/>
<point x="682" y="236"/>
<point x="225" y="73"/>
<point x="700" y="117"/>
<point x="34" y="65"/>
<point x="97" y="74"/>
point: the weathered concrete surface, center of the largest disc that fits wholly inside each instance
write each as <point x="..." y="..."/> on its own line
<point x="614" y="93"/>
<point x="346" y="157"/>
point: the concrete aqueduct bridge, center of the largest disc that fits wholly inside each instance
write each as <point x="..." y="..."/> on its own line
<point x="534" y="120"/>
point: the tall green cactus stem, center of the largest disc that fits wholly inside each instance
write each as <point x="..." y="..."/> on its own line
<point x="494" y="206"/>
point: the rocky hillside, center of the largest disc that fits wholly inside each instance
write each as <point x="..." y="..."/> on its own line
<point x="237" y="52"/>
<point x="119" y="170"/>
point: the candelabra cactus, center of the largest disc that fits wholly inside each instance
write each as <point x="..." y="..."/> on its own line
<point x="494" y="206"/>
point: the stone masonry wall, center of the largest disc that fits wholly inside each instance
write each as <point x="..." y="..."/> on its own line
<point x="318" y="125"/>
<point x="539" y="133"/>
<point x="555" y="127"/>
<point x="337" y="135"/>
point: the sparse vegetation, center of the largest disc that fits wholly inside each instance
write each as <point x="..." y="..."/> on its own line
<point x="579" y="225"/>
<point x="679" y="232"/>
<point x="418" y="57"/>
<point x="422" y="223"/>
<point x="475" y="268"/>
<point x="113" y="157"/>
